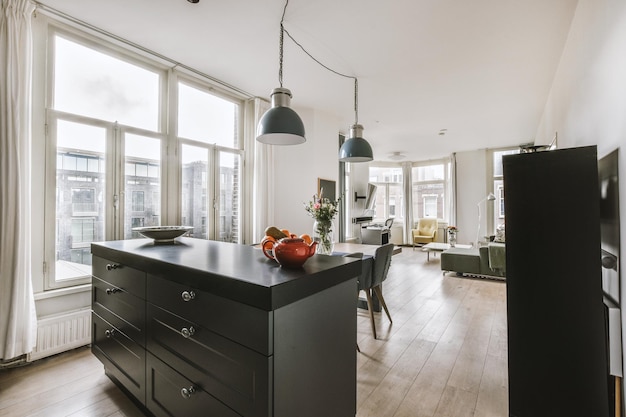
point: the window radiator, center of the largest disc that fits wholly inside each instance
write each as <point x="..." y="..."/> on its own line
<point x="60" y="333"/>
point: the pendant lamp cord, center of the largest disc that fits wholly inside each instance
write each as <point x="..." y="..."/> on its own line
<point x="280" y="70"/>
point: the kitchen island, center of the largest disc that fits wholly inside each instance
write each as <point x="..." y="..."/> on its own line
<point x="211" y="328"/>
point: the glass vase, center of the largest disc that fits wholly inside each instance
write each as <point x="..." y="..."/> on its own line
<point x="452" y="238"/>
<point x="323" y="235"/>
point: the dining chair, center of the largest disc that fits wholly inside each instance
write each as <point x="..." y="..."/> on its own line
<point x="373" y="284"/>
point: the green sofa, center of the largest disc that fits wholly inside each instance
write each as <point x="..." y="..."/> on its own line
<point x="486" y="261"/>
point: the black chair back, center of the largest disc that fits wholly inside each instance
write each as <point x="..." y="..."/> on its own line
<point x="382" y="260"/>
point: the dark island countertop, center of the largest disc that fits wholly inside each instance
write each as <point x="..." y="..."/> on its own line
<point x="237" y="272"/>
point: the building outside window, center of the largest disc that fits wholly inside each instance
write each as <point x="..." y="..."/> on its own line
<point x="83" y="201"/>
<point x="83" y="231"/>
<point x="137" y="202"/>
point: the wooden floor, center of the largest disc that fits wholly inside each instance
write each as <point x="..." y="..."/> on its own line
<point x="445" y="355"/>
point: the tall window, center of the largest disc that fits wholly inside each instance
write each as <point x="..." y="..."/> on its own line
<point x="389" y="196"/>
<point x="208" y="127"/>
<point x="498" y="185"/>
<point x="429" y="190"/>
<point x="79" y="182"/>
<point x="109" y="127"/>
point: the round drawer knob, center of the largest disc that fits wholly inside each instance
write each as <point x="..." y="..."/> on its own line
<point x="112" y="290"/>
<point x="187" y="332"/>
<point x="111" y="267"/>
<point x="187" y="392"/>
<point x="109" y="333"/>
<point x="188" y="295"/>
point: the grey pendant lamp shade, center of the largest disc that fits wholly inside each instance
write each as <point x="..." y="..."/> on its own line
<point x="281" y="125"/>
<point x="356" y="149"/>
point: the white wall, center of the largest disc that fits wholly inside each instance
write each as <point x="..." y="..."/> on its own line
<point x="587" y="103"/>
<point x="359" y="177"/>
<point x="471" y="181"/>
<point x="297" y="169"/>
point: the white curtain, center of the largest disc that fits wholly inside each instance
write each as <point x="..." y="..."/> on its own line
<point x="452" y="192"/>
<point x="18" y="319"/>
<point x="407" y="184"/>
<point x="263" y="194"/>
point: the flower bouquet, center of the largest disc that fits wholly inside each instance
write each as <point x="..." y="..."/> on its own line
<point x="323" y="211"/>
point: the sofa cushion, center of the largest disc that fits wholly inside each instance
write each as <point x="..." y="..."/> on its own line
<point x="461" y="260"/>
<point x="472" y="261"/>
<point x="497" y="256"/>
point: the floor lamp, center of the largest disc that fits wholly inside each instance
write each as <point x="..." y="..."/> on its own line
<point x="489" y="197"/>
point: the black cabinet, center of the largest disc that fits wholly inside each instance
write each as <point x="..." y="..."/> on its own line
<point x="556" y="335"/>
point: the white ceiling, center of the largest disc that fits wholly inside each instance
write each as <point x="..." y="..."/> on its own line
<point x="481" y="69"/>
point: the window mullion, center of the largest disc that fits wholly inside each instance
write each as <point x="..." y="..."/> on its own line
<point x="213" y="192"/>
<point x="114" y="195"/>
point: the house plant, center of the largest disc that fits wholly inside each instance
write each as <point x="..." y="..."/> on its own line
<point x="323" y="211"/>
<point x="452" y="231"/>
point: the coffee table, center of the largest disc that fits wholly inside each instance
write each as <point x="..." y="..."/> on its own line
<point x="440" y="247"/>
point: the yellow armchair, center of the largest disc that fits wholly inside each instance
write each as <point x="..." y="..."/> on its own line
<point x="426" y="231"/>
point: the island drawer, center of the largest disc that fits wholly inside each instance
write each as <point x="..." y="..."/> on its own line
<point x="123" y="359"/>
<point x="171" y="394"/>
<point x="250" y="326"/>
<point x="120" y="308"/>
<point x="124" y="277"/>
<point x="234" y="374"/>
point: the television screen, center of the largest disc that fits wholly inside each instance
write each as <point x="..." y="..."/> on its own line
<point x="609" y="202"/>
<point x="370" y="200"/>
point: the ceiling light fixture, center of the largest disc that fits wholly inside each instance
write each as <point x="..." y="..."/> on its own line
<point x="281" y="125"/>
<point x="355" y="149"/>
<point x="396" y="156"/>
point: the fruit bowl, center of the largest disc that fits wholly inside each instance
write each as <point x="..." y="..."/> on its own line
<point x="162" y="234"/>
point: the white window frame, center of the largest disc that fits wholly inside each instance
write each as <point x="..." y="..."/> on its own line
<point x="445" y="182"/>
<point x="384" y="188"/>
<point x="169" y="208"/>
<point x="494" y="211"/>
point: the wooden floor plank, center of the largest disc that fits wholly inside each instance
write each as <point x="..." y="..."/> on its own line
<point x="444" y="355"/>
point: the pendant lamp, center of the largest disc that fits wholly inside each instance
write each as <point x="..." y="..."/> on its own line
<point x="281" y="125"/>
<point x="356" y="149"/>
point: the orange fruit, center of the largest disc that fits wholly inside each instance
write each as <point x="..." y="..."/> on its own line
<point x="285" y="231"/>
<point x="270" y="238"/>
<point x="306" y="238"/>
